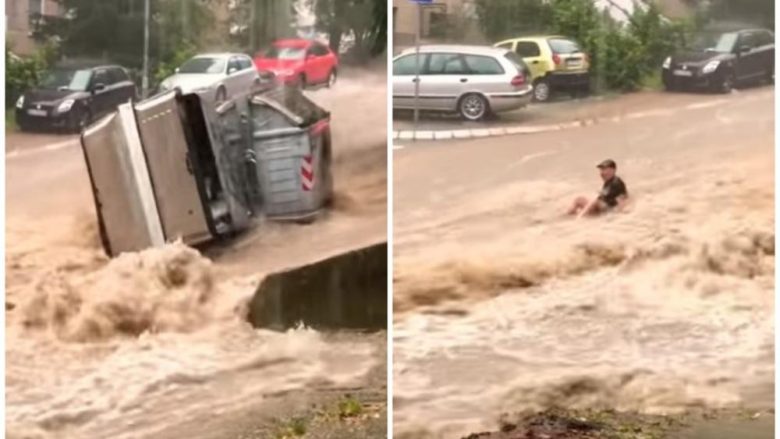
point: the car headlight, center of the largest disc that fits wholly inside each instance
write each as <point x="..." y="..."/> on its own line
<point x="710" y="67"/>
<point x="667" y="62"/>
<point x="66" y="105"/>
<point x="20" y="102"/>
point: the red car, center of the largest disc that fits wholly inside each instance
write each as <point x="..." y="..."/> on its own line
<point x="299" y="62"/>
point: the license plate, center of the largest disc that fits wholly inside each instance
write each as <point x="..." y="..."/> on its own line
<point x="34" y="112"/>
<point x="683" y="73"/>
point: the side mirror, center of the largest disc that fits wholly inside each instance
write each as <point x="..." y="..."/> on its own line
<point x="743" y="49"/>
<point x="98" y="87"/>
<point x="310" y="56"/>
<point x="232" y="70"/>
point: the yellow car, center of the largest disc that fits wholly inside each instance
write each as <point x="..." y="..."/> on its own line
<point x="557" y="64"/>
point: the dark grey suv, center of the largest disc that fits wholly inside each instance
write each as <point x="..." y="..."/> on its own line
<point x="70" y="97"/>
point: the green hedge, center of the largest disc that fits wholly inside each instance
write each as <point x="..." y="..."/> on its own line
<point x="23" y="73"/>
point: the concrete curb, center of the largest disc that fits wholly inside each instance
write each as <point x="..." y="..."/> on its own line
<point x="477" y="133"/>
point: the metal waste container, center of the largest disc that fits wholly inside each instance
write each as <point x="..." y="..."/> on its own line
<point x="291" y="149"/>
<point x="176" y="167"/>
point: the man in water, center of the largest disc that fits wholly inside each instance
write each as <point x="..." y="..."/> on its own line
<point x="613" y="195"/>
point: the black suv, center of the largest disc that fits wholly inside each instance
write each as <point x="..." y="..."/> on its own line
<point x="720" y="60"/>
<point x="70" y="97"/>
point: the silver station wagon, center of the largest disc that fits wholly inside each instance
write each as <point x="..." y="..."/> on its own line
<point x="471" y="80"/>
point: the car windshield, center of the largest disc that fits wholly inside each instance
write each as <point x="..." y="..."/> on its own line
<point x="285" y="53"/>
<point x="67" y="79"/>
<point x="203" y="65"/>
<point x="516" y="61"/>
<point x="716" y="42"/>
<point x="563" y="47"/>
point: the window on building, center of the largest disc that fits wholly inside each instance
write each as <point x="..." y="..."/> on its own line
<point x="35" y="7"/>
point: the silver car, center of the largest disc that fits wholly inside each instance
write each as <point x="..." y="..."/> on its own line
<point x="471" y="80"/>
<point x="227" y="74"/>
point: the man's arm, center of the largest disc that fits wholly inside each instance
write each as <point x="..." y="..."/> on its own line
<point x="589" y="208"/>
<point x="622" y="203"/>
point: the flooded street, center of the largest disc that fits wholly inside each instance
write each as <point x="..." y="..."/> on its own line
<point x="154" y="344"/>
<point x="503" y="304"/>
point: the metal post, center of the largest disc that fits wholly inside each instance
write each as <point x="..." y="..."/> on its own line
<point x="145" y="80"/>
<point x="417" y="70"/>
<point x="253" y="26"/>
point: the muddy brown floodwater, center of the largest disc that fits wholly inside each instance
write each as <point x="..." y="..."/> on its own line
<point x="505" y="305"/>
<point x="136" y="346"/>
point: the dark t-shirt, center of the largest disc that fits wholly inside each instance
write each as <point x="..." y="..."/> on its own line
<point x="612" y="189"/>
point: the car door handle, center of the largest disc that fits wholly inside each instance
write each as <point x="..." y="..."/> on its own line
<point x="464" y="80"/>
<point x="415" y="80"/>
<point x="535" y="62"/>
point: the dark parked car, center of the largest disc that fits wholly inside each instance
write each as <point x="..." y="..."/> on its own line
<point x="718" y="61"/>
<point x="71" y="97"/>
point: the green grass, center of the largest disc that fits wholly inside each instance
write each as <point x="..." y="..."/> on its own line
<point x="293" y="428"/>
<point x="10" y="120"/>
<point x="350" y="407"/>
<point x="652" y="81"/>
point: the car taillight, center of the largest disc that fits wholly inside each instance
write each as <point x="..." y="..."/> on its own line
<point x="518" y="80"/>
<point x="556" y="59"/>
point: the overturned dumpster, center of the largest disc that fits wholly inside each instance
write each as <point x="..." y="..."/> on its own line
<point x="176" y="167"/>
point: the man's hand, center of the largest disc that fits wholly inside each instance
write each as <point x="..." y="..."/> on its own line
<point x="622" y="203"/>
<point x="588" y="209"/>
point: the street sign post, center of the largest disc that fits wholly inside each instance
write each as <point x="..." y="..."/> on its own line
<point x="418" y="28"/>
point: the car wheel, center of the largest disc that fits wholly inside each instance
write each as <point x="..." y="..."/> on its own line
<point x="332" y="78"/>
<point x="726" y="83"/>
<point x="542" y="91"/>
<point x="473" y="107"/>
<point x="79" y="121"/>
<point x="221" y="96"/>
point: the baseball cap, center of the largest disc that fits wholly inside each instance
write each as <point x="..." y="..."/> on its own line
<point x="607" y="164"/>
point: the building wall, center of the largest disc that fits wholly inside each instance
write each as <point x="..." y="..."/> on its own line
<point x="433" y="23"/>
<point x="17" y="20"/>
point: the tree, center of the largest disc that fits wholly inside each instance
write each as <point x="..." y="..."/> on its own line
<point x="499" y="19"/>
<point x="365" y="21"/>
<point x="112" y="30"/>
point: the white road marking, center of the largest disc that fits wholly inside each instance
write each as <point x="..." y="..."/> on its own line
<point x="530" y="157"/>
<point x="705" y="104"/>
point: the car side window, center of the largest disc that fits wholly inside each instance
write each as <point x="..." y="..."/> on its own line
<point x="233" y="64"/>
<point x="121" y="75"/>
<point x="445" y="64"/>
<point x="406" y="64"/>
<point x="100" y="77"/>
<point x="507" y="46"/>
<point x="748" y="39"/>
<point x="245" y="63"/>
<point x="483" y="65"/>
<point x="765" y="38"/>
<point x="320" y="50"/>
<point x="527" y="49"/>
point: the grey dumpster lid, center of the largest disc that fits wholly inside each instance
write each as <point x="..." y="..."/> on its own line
<point x="292" y="103"/>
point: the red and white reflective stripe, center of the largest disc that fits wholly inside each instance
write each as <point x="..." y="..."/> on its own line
<point x="307" y="172"/>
